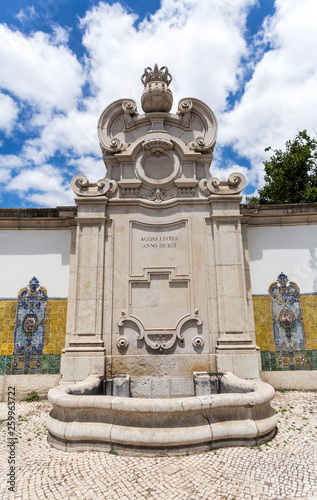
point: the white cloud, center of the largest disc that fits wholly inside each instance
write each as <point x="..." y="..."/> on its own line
<point x="201" y="41"/>
<point x="222" y="172"/>
<point x="47" y="182"/>
<point x="39" y="70"/>
<point x="72" y="134"/>
<point x="26" y="14"/>
<point x="93" y="168"/>
<point x="117" y="53"/>
<point x="61" y="35"/>
<point x="52" y="199"/>
<point x="281" y="96"/>
<point x="11" y="161"/>
<point x="8" y="163"/>
<point x="46" y="178"/>
<point x="8" y="113"/>
<point x="5" y="175"/>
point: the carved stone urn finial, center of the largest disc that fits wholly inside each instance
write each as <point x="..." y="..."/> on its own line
<point x="156" y="95"/>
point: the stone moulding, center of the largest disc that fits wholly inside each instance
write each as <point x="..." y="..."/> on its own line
<point x="159" y="339"/>
<point x="121" y="118"/>
<point x="82" y="187"/>
<point x="234" y="185"/>
<point x="82" y="419"/>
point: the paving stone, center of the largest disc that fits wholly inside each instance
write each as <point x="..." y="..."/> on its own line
<point x="283" y="469"/>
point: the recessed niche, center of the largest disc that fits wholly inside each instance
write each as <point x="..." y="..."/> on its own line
<point x="158" y="167"/>
<point x="157" y="170"/>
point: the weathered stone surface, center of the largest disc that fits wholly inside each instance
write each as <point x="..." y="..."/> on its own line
<point x="121" y="386"/>
<point x="158" y="291"/>
<point x="81" y="420"/>
<point x="27" y="383"/>
<point x="292" y="380"/>
<point x="201" y="383"/>
<point x="283" y="468"/>
<point x="158" y="276"/>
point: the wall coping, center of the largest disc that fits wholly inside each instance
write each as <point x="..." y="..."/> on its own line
<point x="276" y="215"/>
<point x="252" y="215"/>
<point x="38" y="218"/>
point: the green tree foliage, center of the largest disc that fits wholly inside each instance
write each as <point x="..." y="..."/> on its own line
<point x="291" y="175"/>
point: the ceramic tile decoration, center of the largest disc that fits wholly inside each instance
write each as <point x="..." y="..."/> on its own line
<point x="30" y="328"/>
<point x="32" y="332"/>
<point x="288" y="328"/>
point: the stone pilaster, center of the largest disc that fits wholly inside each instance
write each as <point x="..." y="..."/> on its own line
<point x="236" y="350"/>
<point x="84" y="353"/>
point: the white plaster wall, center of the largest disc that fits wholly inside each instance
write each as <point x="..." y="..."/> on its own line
<point x="26" y="383"/>
<point x="292" y="380"/>
<point x="289" y="249"/>
<point x="44" y="254"/>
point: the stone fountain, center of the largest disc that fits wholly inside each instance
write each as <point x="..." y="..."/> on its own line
<point x="160" y="352"/>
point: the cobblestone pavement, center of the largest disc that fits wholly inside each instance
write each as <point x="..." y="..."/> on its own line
<point x="284" y="468"/>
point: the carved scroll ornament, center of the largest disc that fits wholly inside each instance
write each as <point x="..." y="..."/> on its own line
<point x="157" y="339"/>
<point x="82" y="187"/>
<point x="234" y="185"/>
<point x="188" y="109"/>
<point x="124" y="110"/>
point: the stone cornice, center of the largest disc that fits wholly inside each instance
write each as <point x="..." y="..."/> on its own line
<point x="277" y="215"/>
<point x="37" y="218"/>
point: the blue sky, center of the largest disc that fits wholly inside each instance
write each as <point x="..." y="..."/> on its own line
<point x="63" y="61"/>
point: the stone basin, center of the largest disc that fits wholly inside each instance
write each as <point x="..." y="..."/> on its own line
<point x="82" y="419"/>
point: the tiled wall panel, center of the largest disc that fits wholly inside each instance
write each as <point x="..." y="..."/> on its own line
<point x="273" y="356"/>
<point x="54" y="337"/>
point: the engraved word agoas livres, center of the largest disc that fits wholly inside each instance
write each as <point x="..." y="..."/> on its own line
<point x="159" y="241"/>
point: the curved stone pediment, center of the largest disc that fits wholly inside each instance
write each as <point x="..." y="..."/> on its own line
<point x="120" y="126"/>
<point x="158" y="156"/>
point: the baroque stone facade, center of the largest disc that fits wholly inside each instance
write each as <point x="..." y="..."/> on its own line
<point x="158" y="283"/>
<point x="163" y="264"/>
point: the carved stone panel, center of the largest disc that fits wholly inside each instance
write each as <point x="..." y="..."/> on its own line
<point x="160" y="295"/>
<point x="159" y="301"/>
<point x="159" y="245"/>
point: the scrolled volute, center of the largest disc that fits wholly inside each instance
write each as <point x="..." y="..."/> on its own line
<point x="129" y="106"/>
<point x="82" y="187"/>
<point x="184" y="106"/>
<point x="213" y="184"/>
<point x="114" y="147"/>
<point x="200" y="144"/>
<point x="237" y="181"/>
<point x="234" y="185"/>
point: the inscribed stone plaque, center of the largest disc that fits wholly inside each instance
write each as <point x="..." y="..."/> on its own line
<point x="159" y="246"/>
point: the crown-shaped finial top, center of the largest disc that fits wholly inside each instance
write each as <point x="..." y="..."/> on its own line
<point x="156" y="75"/>
<point x="282" y="279"/>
